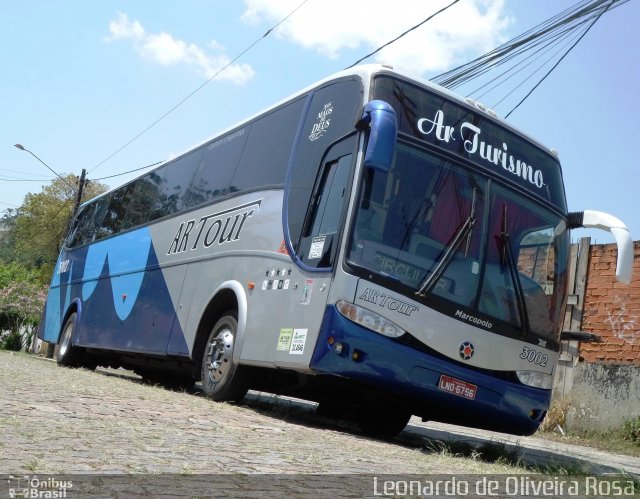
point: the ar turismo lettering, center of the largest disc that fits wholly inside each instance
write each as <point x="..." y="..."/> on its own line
<point x="473" y="145"/>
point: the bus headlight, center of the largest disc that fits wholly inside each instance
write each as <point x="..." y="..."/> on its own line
<point x="369" y="319"/>
<point x="536" y="379"/>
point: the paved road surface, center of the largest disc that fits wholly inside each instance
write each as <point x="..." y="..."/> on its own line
<point x="64" y="421"/>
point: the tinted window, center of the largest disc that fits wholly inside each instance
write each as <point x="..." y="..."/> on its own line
<point x="99" y="218"/>
<point x="319" y="245"/>
<point x="474" y="136"/>
<point x="266" y="156"/>
<point x="175" y="184"/>
<point x="144" y="195"/>
<point x="216" y="168"/>
<point x="82" y="231"/>
<point x="112" y="221"/>
<point x="332" y="114"/>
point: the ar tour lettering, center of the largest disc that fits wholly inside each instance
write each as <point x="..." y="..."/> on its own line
<point x="469" y="133"/>
<point x="218" y="228"/>
<point x="385" y="301"/>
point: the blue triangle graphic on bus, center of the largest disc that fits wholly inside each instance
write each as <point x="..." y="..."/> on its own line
<point x="53" y="321"/>
<point x="127" y="256"/>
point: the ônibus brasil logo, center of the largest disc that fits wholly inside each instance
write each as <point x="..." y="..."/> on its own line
<point x="466" y="350"/>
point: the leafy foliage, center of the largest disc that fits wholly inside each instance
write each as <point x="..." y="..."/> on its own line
<point x="631" y="430"/>
<point x="22" y="298"/>
<point x="38" y="227"/>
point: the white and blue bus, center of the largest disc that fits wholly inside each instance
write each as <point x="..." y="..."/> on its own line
<point x="372" y="243"/>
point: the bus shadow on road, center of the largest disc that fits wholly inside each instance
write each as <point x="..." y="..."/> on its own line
<point x="436" y="438"/>
<point x="430" y="438"/>
<point x="415" y="436"/>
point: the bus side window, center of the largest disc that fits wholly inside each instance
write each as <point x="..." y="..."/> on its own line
<point x="95" y="230"/>
<point x="217" y="165"/>
<point x="111" y="224"/>
<point x="82" y="228"/>
<point x="144" y="194"/>
<point x="176" y="180"/>
<point x="320" y="238"/>
<point x="265" y="157"/>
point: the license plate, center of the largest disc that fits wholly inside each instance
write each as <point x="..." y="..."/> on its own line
<point x="457" y="387"/>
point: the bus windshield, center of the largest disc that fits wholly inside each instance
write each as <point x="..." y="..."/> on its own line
<point x="461" y="242"/>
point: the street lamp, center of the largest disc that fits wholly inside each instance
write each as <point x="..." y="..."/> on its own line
<point x="23" y="148"/>
<point x="81" y="180"/>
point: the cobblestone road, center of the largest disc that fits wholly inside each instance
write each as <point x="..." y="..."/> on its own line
<point x="58" y="420"/>
<point x="124" y="438"/>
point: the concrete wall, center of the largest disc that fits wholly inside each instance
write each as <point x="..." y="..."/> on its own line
<point x="603" y="396"/>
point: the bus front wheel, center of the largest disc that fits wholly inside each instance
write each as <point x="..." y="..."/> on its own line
<point x="382" y="422"/>
<point x="222" y="379"/>
<point x="66" y="354"/>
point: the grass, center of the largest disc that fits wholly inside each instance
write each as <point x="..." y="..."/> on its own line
<point x="622" y="440"/>
<point x="614" y="440"/>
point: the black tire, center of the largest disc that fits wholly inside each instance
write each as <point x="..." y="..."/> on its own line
<point x="381" y="422"/>
<point x="66" y="354"/>
<point x="222" y="379"/>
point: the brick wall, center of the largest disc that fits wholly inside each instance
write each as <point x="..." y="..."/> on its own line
<point x="611" y="309"/>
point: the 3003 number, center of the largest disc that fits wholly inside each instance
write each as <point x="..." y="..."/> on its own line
<point x="531" y="355"/>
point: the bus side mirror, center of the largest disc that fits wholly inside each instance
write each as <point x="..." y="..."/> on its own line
<point x="591" y="219"/>
<point x="381" y="120"/>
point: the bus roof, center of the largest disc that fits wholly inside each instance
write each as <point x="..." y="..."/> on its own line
<point x="366" y="72"/>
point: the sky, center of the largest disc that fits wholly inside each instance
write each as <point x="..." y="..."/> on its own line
<point x="81" y="79"/>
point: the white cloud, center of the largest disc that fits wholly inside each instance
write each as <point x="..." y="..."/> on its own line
<point x="330" y="27"/>
<point x="162" y="48"/>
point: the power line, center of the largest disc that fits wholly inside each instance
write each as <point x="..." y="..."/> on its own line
<point x="527" y="78"/>
<point x="560" y="60"/>
<point x="401" y="35"/>
<point x="18" y="171"/>
<point x="572" y="17"/>
<point x="267" y="33"/>
<point x="130" y="171"/>
<point x="27" y="180"/>
<point x="514" y="56"/>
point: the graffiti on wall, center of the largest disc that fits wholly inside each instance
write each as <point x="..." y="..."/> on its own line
<point x="624" y="324"/>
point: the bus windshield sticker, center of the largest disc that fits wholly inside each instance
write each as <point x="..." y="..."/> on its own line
<point x="284" y="340"/>
<point x="322" y="125"/>
<point x="317" y="247"/>
<point x="298" y="341"/>
<point x="306" y="292"/>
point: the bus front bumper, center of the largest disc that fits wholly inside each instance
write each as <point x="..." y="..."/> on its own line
<point x="352" y="352"/>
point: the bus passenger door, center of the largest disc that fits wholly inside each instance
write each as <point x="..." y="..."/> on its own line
<point x="316" y="252"/>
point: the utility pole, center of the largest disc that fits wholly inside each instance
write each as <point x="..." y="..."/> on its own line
<point x="81" y="183"/>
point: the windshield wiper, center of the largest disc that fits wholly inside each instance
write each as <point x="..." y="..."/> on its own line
<point x="507" y="258"/>
<point x="465" y="231"/>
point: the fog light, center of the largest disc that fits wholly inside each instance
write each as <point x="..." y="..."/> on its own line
<point x="356" y="355"/>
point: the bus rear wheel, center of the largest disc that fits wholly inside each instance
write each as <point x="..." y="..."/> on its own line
<point x="222" y="379"/>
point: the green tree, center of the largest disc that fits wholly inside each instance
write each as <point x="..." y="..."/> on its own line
<point x="7" y="239"/>
<point x="22" y="298"/>
<point x="41" y="223"/>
